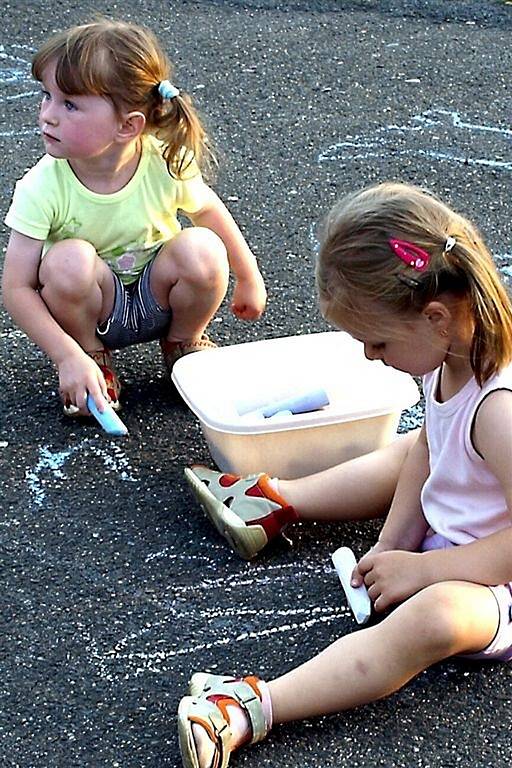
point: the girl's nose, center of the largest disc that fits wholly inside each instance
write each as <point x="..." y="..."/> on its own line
<point x="48" y="113"/>
<point x="370" y="352"/>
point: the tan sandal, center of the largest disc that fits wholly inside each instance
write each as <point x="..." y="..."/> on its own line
<point x="173" y="350"/>
<point x="207" y="707"/>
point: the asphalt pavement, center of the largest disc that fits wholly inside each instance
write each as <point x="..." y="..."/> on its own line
<point x="114" y="586"/>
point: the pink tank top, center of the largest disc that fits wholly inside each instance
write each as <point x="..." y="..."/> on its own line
<point x="462" y="500"/>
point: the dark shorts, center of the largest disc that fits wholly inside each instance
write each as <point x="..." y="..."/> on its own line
<point x="136" y="316"/>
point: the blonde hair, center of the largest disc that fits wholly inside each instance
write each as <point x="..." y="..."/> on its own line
<point x="356" y="265"/>
<point x="124" y="62"/>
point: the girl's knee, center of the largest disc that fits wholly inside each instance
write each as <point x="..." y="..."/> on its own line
<point x="437" y="618"/>
<point x="69" y="267"/>
<point x="199" y="255"/>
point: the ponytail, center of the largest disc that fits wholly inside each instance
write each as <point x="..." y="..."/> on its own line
<point x="489" y="304"/>
<point x="176" y="122"/>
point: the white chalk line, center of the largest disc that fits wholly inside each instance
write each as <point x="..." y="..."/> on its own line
<point x="211" y="613"/>
<point x="120" y="652"/>
<point x="229" y="582"/>
<point x="154" y="661"/>
<point x="21" y="96"/>
<point x="16" y="332"/>
<point x="371" y="147"/>
<point x="463" y="160"/>
<point x="15" y="72"/>
<point x="19" y="132"/>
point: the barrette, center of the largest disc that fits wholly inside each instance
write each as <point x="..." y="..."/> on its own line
<point x="450" y="244"/>
<point x="167" y="90"/>
<point x="411" y="254"/>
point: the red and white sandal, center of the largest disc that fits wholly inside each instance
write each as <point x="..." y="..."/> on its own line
<point x="209" y="708"/>
<point x="247" y="511"/>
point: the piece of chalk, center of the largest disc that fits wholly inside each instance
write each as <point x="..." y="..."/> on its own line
<point x="298" y="401"/>
<point x="311" y="400"/>
<point x="280" y="416"/>
<point x="109" y="419"/>
<point x="357" y="597"/>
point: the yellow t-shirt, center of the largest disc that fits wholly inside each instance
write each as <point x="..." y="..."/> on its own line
<point x="125" y="227"/>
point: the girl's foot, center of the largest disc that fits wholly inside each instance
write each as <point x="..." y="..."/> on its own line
<point x="173" y="350"/>
<point x="247" y="511"/>
<point x="221" y="715"/>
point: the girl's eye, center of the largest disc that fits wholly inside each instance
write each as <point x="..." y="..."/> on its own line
<point x="45" y="95"/>
<point x="69" y="105"/>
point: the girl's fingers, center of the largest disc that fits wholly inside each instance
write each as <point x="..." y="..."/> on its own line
<point x="356" y="579"/>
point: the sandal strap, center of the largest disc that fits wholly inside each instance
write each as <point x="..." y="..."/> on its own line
<point x="174" y="350"/>
<point x="244" y="691"/>
<point x="103" y="360"/>
<point x="208" y="715"/>
<point x="102" y="357"/>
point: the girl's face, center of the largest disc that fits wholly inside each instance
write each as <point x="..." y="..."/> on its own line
<point x="415" y="344"/>
<point x="75" y="127"/>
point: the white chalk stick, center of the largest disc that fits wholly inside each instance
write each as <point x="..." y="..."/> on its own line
<point x="357" y="597"/>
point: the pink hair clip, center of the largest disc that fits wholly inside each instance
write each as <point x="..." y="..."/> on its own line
<point x="412" y="254"/>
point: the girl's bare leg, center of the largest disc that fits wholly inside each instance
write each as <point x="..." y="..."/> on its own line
<point x="190" y="275"/>
<point x="442" y="620"/>
<point x="360" y="489"/>
<point x="78" y="289"/>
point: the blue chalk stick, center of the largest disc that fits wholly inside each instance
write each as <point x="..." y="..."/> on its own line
<point x="109" y="419"/>
<point x="280" y="415"/>
<point x="302" y="403"/>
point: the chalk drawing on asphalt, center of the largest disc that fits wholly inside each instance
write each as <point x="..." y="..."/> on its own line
<point x="50" y="468"/>
<point x="154" y="647"/>
<point x="15" y="75"/>
<point x="16" y="85"/>
<point x="438" y="134"/>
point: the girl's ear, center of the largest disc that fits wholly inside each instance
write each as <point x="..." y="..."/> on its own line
<point x="439" y="316"/>
<point x="131" y="126"/>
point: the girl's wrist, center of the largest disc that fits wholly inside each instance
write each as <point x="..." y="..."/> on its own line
<point x="429" y="572"/>
<point x="249" y="275"/>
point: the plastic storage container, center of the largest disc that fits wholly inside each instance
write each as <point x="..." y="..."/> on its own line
<point x="227" y="389"/>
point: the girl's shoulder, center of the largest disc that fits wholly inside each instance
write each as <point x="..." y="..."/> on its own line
<point x="501" y="380"/>
<point x="45" y="171"/>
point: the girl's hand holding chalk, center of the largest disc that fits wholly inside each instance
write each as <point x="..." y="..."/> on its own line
<point x="108" y="419"/>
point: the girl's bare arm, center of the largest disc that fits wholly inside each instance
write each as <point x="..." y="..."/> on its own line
<point x="405" y="525"/>
<point x="23" y="302"/>
<point x="249" y="296"/>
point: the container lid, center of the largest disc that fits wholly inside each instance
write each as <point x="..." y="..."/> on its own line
<point x="227" y="387"/>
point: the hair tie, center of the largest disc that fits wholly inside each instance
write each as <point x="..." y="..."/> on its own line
<point x="411" y="254"/>
<point x="167" y="90"/>
<point x="450" y="244"/>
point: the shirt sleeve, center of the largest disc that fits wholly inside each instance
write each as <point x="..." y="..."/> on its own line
<point x="31" y="211"/>
<point x="193" y="192"/>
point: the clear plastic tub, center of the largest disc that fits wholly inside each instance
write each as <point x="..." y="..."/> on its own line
<point x="226" y="388"/>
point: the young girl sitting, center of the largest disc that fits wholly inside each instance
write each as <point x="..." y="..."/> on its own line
<point x="414" y="282"/>
<point x="97" y="259"/>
